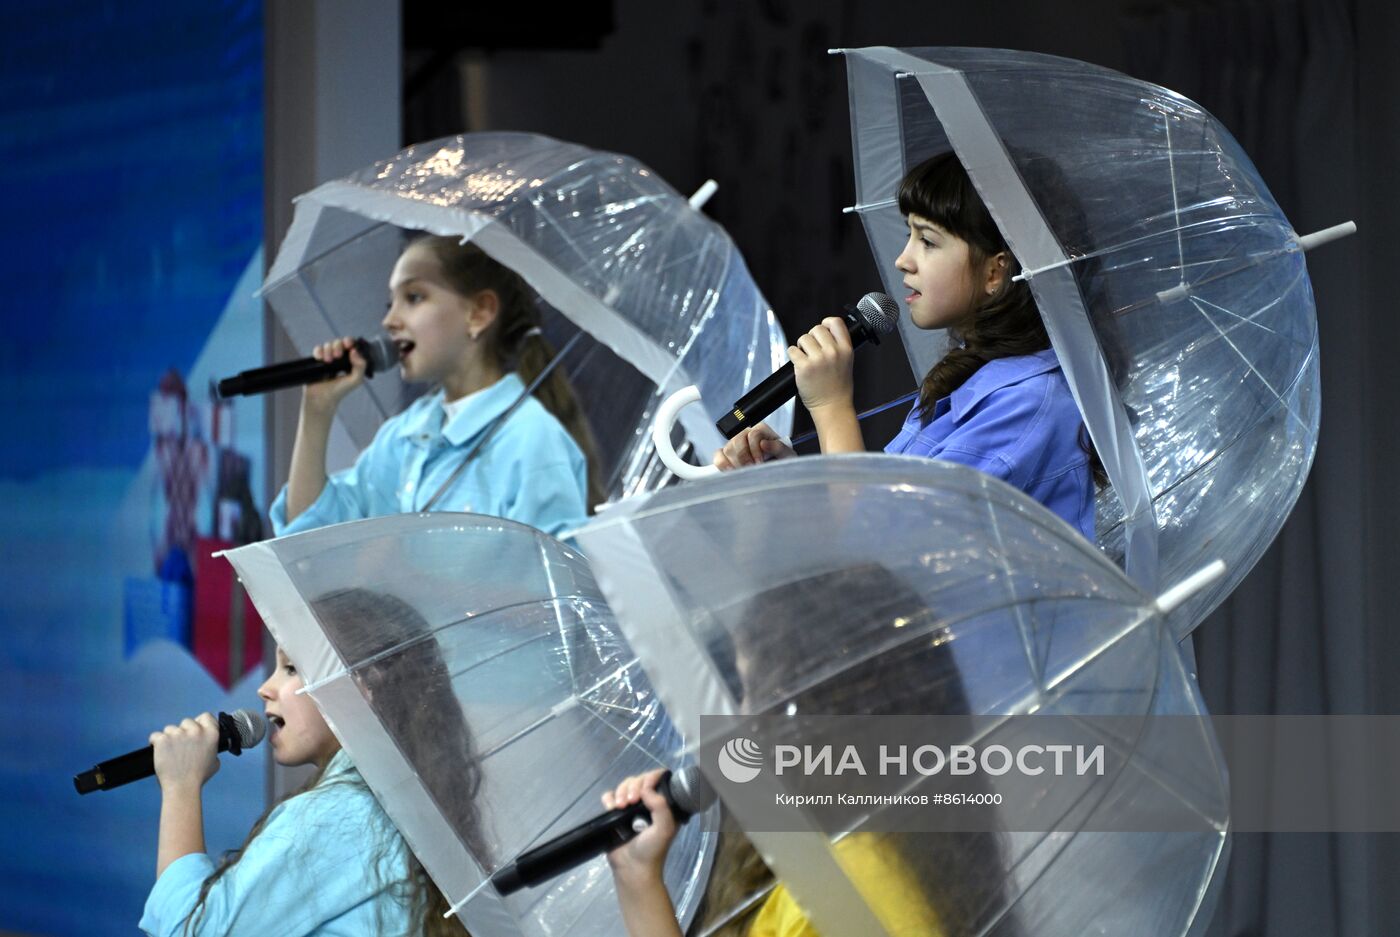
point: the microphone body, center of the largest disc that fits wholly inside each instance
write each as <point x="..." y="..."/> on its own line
<point x="243" y="729"/>
<point x="872" y="317"/>
<point x="380" y="353"/>
<point x="687" y="792"/>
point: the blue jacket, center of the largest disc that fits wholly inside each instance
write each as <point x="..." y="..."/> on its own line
<point x="327" y="862"/>
<point x="1016" y="420"/>
<point x="530" y="471"/>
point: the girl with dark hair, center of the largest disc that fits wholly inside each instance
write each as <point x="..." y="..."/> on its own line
<point x="462" y="321"/>
<point x="997" y="401"/>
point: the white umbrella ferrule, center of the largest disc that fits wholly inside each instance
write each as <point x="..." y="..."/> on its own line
<point x="1308" y="241"/>
<point x="703" y="194"/>
<point x="1190" y="586"/>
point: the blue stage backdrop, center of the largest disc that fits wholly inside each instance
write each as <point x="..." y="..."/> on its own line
<point x="132" y="183"/>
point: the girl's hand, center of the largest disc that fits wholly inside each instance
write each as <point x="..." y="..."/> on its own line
<point x="821" y="359"/>
<point x="640" y="859"/>
<point x="186" y="755"/>
<point x="751" y="446"/>
<point x="322" y="397"/>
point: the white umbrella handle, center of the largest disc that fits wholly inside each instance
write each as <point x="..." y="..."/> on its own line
<point x="661" y="435"/>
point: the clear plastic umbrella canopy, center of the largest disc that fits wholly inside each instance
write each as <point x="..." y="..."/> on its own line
<point x="1173" y="287"/>
<point x="660" y="293"/>
<point x="473" y="673"/>
<point x="868" y="585"/>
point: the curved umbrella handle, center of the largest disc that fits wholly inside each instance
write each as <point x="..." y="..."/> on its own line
<point x="661" y="435"/>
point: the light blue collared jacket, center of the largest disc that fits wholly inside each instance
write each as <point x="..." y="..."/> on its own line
<point x="530" y="471"/>
<point x="1014" y="419"/>
<point x="327" y="862"/>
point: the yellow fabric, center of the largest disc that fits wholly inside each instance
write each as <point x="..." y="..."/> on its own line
<point x="892" y="893"/>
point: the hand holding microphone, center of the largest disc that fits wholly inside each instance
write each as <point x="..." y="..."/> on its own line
<point x="181" y="754"/>
<point x="644" y="855"/>
<point x="358" y="358"/>
<point x="753" y="445"/>
<point x="186" y="754"/>
<point x="325" y="395"/>
<point x="636" y="830"/>
<point x="820" y="370"/>
<point x="824" y="355"/>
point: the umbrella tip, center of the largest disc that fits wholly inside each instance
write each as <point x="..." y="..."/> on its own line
<point x="1308" y="241"/>
<point x="702" y="195"/>
<point x="1189" y="586"/>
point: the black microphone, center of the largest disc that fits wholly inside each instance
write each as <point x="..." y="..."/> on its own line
<point x="380" y="353"/>
<point x="243" y="729"/>
<point x="687" y="792"/>
<point x="875" y="315"/>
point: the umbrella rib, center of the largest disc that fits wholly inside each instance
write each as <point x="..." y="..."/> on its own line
<point x="305" y="261"/>
<point x="1204" y="465"/>
<point x="1166" y="786"/>
<point x="1176" y="203"/>
<point x="948" y="623"/>
<point x="1177" y="229"/>
<point x="433" y="632"/>
<point x="557" y="710"/>
<point x="692" y="497"/>
<point x="743" y="905"/>
<point x="1003" y="718"/>
<point x="1196" y="302"/>
<point x="1252" y="319"/>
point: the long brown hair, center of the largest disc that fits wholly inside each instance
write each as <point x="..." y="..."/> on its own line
<point x="1007" y="323"/>
<point x="964" y="874"/>
<point x="516" y="338"/>
<point x="409" y="687"/>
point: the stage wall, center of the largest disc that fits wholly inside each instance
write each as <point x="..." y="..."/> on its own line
<point x="132" y="138"/>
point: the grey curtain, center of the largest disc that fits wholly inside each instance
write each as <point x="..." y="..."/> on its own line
<point x="1304" y="633"/>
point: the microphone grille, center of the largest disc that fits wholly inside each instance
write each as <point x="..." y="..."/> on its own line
<point x="879" y="312"/>
<point x="251" y="727"/>
<point x="690" y="791"/>
<point x="382" y="354"/>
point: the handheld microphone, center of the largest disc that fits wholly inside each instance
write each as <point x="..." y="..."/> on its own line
<point x="380" y="353"/>
<point x="243" y="729"/>
<point x="687" y="792"/>
<point x="875" y="315"/>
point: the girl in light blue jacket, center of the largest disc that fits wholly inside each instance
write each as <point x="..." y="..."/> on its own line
<point x="327" y="860"/>
<point x="466" y="323"/>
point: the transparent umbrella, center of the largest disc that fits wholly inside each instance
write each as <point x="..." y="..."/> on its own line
<point x="871" y="585"/>
<point x="473" y="673"/>
<point x="1173" y="287"/>
<point x="658" y="291"/>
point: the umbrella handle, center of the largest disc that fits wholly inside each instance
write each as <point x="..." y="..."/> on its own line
<point x="661" y="435"/>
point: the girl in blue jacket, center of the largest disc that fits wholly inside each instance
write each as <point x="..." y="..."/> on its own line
<point x="327" y="859"/>
<point x="997" y="401"/>
<point x="466" y="323"/>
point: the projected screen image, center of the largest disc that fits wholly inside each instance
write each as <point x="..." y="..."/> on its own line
<point x="132" y="137"/>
